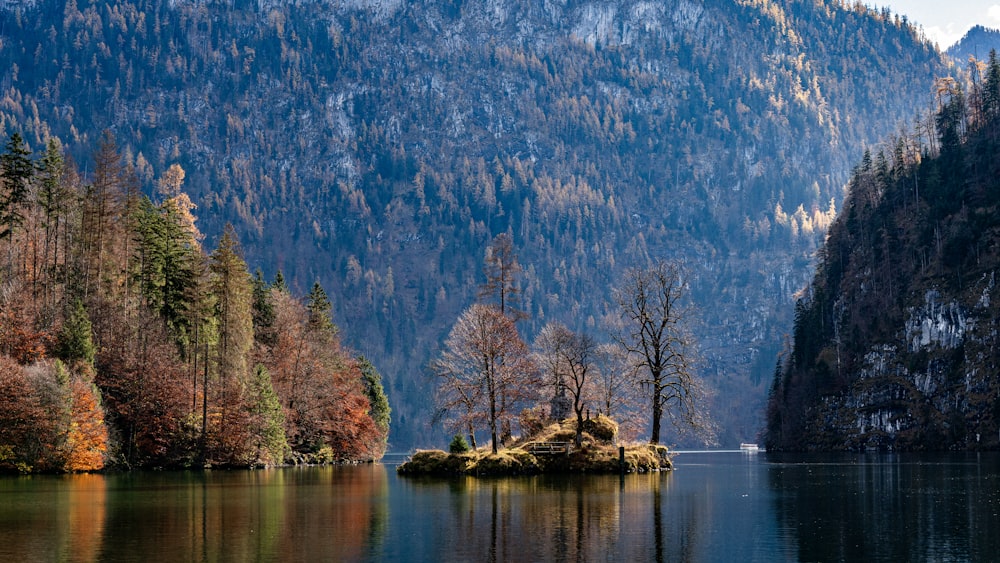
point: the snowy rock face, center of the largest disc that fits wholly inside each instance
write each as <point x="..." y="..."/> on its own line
<point x="596" y="24"/>
<point x="937" y="324"/>
<point x="940" y="368"/>
<point x="626" y="23"/>
<point x="380" y="8"/>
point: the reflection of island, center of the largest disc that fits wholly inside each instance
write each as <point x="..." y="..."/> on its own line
<point x="560" y="518"/>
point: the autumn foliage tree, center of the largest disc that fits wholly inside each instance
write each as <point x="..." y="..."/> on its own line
<point x="155" y="339"/>
<point x="484" y="372"/>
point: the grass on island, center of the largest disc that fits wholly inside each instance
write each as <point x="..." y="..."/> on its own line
<point x="597" y="454"/>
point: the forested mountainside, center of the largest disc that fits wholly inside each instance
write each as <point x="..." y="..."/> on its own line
<point x="896" y="341"/>
<point x="977" y="43"/>
<point x="377" y="146"/>
<point x="124" y="343"/>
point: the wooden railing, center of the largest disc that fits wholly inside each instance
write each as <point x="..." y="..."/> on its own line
<point x="548" y="448"/>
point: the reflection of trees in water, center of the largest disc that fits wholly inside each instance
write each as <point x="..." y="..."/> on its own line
<point x="52" y="518"/>
<point x="568" y="518"/>
<point x="293" y="514"/>
<point x="86" y="496"/>
<point x="889" y="507"/>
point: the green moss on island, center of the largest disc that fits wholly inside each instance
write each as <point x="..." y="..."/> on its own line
<point x="549" y="451"/>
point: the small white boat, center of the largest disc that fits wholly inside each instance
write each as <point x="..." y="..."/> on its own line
<point x="749" y="447"/>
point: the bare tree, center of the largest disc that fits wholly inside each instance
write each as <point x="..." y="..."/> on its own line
<point x="615" y="392"/>
<point x="484" y="369"/>
<point x="653" y="332"/>
<point x="501" y="271"/>
<point x="568" y="359"/>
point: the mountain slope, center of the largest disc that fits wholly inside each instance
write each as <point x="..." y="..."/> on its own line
<point x="896" y="338"/>
<point x="377" y="146"/>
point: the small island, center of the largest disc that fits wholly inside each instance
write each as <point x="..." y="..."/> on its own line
<point x="552" y="450"/>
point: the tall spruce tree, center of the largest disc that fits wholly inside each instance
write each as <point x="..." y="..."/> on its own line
<point x="232" y="288"/>
<point x="380" y="410"/>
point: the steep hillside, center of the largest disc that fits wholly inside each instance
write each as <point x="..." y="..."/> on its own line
<point x="896" y="341"/>
<point x="378" y="146"/>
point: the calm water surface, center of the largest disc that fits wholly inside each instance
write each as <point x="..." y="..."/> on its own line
<point x="719" y="506"/>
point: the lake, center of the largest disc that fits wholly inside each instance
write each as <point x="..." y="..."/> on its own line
<point x="716" y="506"/>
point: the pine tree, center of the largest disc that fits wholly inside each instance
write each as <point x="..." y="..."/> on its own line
<point x="380" y="410"/>
<point x="263" y="310"/>
<point x="54" y="199"/>
<point x="17" y="171"/>
<point x="267" y="419"/>
<point x="320" y="310"/>
<point x="76" y="338"/>
<point x="232" y="288"/>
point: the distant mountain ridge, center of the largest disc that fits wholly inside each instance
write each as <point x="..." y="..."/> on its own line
<point x="977" y="42"/>
<point x="377" y="146"/>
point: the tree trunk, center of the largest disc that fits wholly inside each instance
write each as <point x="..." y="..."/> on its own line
<point x="493" y="420"/>
<point x="579" y="427"/>
<point x="654" y="437"/>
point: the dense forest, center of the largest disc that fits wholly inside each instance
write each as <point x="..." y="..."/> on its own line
<point x="895" y="341"/>
<point x="124" y="343"/>
<point x="378" y="146"/>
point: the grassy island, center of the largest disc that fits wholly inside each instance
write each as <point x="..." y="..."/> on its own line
<point x="552" y="450"/>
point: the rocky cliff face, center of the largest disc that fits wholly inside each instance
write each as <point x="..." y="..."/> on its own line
<point x="896" y="341"/>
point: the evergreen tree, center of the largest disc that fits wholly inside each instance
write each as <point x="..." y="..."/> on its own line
<point x="167" y="259"/>
<point x="233" y="291"/>
<point x="279" y="282"/>
<point x="380" y="410"/>
<point x="263" y="310"/>
<point x="17" y="171"/>
<point x="320" y="310"/>
<point x="54" y="200"/>
<point x="76" y="338"/>
<point x="267" y="419"/>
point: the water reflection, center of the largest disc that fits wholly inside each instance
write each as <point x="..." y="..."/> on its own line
<point x="714" y="507"/>
<point x="333" y="514"/>
<point x="890" y="507"/>
<point x="547" y="518"/>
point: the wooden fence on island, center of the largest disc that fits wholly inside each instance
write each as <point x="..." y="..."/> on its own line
<point x="549" y="448"/>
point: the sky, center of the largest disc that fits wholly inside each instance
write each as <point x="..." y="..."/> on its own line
<point x="946" y="21"/>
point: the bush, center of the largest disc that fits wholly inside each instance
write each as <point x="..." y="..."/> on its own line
<point x="458" y="445"/>
<point x="601" y="428"/>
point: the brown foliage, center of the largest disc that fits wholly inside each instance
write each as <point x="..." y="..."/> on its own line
<point x="18" y="337"/>
<point x="26" y="430"/>
<point x="485" y="372"/>
<point x="319" y="385"/>
<point x="147" y="390"/>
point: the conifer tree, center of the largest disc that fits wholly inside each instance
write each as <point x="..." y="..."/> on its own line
<point x="320" y="310"/>
<point x="17" y="172"/>
<point x="76" y="338"/>
<point x="267" y="419"/>
<point x="263" y="310"/>
<point x="231" y="286"/>
<point x="54" y="200"/>
<point x="380" y="410"/>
